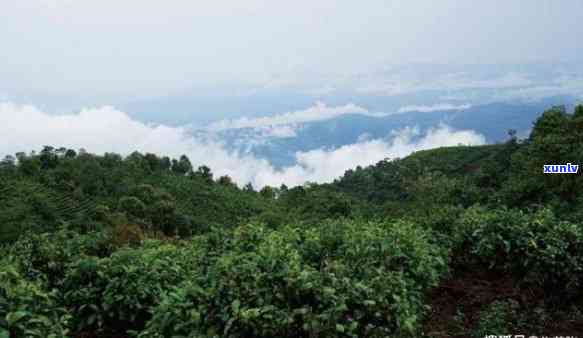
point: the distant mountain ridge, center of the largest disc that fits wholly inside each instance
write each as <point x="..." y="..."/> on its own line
<point x="491" y="120"/>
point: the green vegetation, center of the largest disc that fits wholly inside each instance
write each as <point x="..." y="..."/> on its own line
<point x="451" y="242"/>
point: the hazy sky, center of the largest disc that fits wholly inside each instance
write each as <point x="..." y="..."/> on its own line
<point x="171" y="57"/>
<point x="113" y="48"/>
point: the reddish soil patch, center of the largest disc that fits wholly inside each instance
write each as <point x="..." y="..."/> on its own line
<point x="469" y="291"/>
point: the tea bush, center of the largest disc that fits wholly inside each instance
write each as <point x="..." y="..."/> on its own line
<point x="118" y="291"/>
<point x="47" y="255"/>
<point x="26" y="308"/>
<point x="346" y="278"/>
<point x="536" y="245"/>
<point x="494" y="319"/>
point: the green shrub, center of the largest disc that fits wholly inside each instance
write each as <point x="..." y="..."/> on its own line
<point x="126" y="234"/>
<point x="537" y="246"/>
<point x="118" y="291"/>
<point x="440" y="219"/>
<point x="349" y="279"/>
<point x="132" y="206"/>
<point x="26" y="309"/>
<point x="47" y="255"/>
<point x="495" y="319"/>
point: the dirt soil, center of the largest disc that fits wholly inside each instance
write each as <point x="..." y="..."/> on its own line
<point x="472" y="290"/>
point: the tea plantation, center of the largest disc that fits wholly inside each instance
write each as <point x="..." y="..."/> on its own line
<point x="451" y="242"/>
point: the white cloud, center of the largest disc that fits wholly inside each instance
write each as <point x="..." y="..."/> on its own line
<point x="25" y="128"/>
<point x="323" y="165"/>
<point x="284" y="125"/>
<point x="319" y="112"/>
<point x="435" y="107"/>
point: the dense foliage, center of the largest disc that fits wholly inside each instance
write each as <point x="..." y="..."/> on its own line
<point x="148" y="246"/>
<point x="359" y="280"/>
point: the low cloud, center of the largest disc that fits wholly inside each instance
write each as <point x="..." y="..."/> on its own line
<point x="435" y="107"/>
<point x="324" y="165"/>
<point x="319" y="112"/>
<point x="100" y="130"/>
<point x="285" y="125"/>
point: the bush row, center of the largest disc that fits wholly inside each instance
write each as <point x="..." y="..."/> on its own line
<point x="537" y="246"/>
<point x="341" y="279"/>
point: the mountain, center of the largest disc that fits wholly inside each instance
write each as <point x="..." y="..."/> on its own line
<point x="383" y="90"/>
<point x="491" y="120"/>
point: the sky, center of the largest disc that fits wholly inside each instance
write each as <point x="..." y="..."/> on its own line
<point x="129" y="75"/>
<point x="109" y="49"/>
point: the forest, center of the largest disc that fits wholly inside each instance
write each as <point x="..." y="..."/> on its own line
<point x="462" y="241"/>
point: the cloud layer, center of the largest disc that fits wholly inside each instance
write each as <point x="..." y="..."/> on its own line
<point x="435" y="107"/>
<point x="284" y="125"/>
<point x="323" y="165"/>
<point x="99" y="130"/>
<point x="319" y="112"/>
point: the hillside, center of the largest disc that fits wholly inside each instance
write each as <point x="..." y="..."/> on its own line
<point x="450" y="242"/>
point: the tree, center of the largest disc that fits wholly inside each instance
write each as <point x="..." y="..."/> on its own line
<point x="132" y="206"/>
<point x="226" y="181"/>
<point x="165" y="163"/>
<point x="163" y="216"/>
<point x="145" y="193"/>
<point x="182" y="166"/>
<point x="248" y="187"/>
<point x="111" y="160"/>
<point x="153" y="162"/>
<point x="512" y="135"/>
<point x="578" y="113"/>
<point x="205" y="173"/>
<point x="267" y="192"/>
<point x="70" y="153"/>
<point x="8" y="165"/>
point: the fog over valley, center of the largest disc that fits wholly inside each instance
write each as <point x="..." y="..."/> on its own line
<point x="278" y="93"/>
